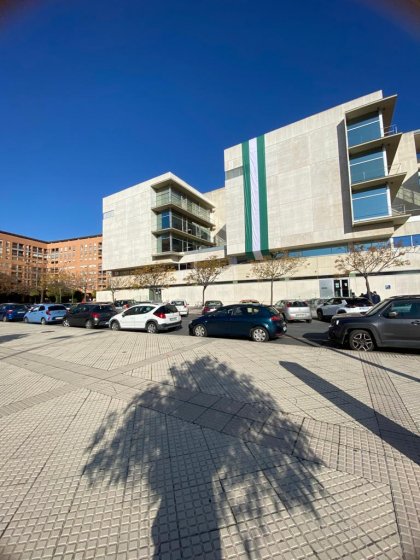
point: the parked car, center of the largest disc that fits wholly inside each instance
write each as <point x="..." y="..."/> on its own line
<point x="12" y="311"/>
<point x="211" y="305"/>
<point x="182" y="306"/>
<point x="314" y="303"/>
<point x="89" y="315"/>
<point x="147" y="316"/>
<point x="294" y="310"/>
<point x="46" y="313"/>
<point x="258" y="322"/>
<point x="121" y="304"/>
<point x="342" y="305"/>
<point x="394" y="322"/>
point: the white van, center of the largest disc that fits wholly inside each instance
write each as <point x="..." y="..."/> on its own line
<point x="181" y="305"/>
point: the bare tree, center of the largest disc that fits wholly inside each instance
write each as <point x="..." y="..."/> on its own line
<point x="115" y="283"/>
<point x="275" y="268"/>
<point x="154" y="277"/>
<point x="368" y="260"/>
<point x="205" y="272"/>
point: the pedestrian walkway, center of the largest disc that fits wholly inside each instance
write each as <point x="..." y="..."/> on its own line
<point x="128" y="445"/>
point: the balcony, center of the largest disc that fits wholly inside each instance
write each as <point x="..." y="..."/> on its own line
<point x="184" y="234"/>
<point x="397" y="217"/>
<point x="389" y="141"/>
<point x="189" y="208"/>
<point x="394" y="181"/>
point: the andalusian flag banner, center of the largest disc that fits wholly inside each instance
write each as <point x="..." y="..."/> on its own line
<point x="255" y="197"/>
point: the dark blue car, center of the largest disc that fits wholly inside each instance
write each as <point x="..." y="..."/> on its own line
<point x="258" y="322"/>
<point x="12" y="311"/>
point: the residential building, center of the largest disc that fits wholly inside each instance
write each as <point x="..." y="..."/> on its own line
<point x="313" y="188"/>
<point x="26" y="260"/>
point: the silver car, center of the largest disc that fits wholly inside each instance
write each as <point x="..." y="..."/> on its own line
<point x="340" y="305"/>
<point x="294" y="310"/>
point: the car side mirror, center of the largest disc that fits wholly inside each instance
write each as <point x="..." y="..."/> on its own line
<point x="392" y="315"/>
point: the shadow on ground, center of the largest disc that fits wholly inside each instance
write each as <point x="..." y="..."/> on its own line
<point x="210" y="452"/>
<point x="9" y="337"/>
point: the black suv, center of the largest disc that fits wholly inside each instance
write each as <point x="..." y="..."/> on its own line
<point x="89" y="315"/>
<point x="393" y="322"/>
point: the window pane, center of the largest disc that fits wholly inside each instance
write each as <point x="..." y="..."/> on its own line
<point x="370" y="206"/>
<point x="363" y="129"/>
<point x="370" y="192"/>
<point x="367" y="166"/>
<point x="177" y="245"/>
<point x="402" y="241"/>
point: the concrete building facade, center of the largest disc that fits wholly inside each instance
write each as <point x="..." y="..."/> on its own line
<point x="313" y="188"/>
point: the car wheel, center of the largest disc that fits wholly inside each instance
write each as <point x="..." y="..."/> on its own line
<point x="43" y="321"/>
<point x="309" y="320"/>
<point x="66" y="323"/>
<point x="25" y="320"/>
<point x="320" y="315"/>
<point x="199" y="330"/>
<point x="89" y="324"/>
<point x="361" y="340"/>
<point x="115" y="326"/>
<point x="259" y="334"/>
<point x="151" y="327"/>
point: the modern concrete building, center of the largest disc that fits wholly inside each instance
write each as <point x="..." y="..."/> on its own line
<point x="313" y="188"/>
<point x="25" y="260"/>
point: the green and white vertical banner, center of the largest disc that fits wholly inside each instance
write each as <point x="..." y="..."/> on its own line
<point x="255" y="198"/>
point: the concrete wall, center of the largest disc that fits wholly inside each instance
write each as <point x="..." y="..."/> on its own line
<point x="237" y="282"/>
<point x="307" y="184"/>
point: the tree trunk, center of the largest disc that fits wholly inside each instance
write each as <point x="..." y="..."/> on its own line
<point x="204" y="289"/>
<point x="271" y="298"/>
<point x="368" y="293"/>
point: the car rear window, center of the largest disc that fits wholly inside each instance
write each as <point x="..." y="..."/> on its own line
<point x="104" y="308"/>
<point x="271" y="310"/>
<point x="170" y="308"/>
<point x="19" y="307"/>
<point x="297" y="304"/>
<point x="57" y="308"/>
<point x="178" y="302"/>
<point x="213" y="302"/>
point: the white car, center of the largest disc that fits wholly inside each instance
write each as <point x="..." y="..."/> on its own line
<point x="182" y="306"/>
<point x="150" y="317"/>
<point x="337" y="306"/>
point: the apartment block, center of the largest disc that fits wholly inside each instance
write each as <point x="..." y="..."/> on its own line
<point x="26" y="260"/>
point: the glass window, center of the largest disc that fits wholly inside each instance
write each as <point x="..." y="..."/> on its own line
<point x="416" y="240"/>
<point x="370" y="203"/>
<point x="177" y="245"/>
<point x="367" y="166"/>
<point x="363" y="129"/>
<point x="319" y="251"/>
<point x="402" y="241"/>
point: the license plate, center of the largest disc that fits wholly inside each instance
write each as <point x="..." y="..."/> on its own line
<point x="300" y="314"/>
<point x="173" y="319"/>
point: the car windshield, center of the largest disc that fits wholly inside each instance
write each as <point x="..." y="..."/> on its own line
<point x="213" y="302"/>
<point x="376" y="307"/>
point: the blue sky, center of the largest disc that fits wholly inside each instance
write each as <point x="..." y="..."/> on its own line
<point x="97" y="96"/>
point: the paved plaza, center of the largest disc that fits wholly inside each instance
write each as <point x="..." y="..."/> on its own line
<point x="125" y="445"/>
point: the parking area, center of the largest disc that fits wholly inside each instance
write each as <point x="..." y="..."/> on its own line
<point x="132" y="445"/>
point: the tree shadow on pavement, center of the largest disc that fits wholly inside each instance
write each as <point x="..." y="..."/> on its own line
<point x="391" y="432"/>
<point x="211" y="452"/>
